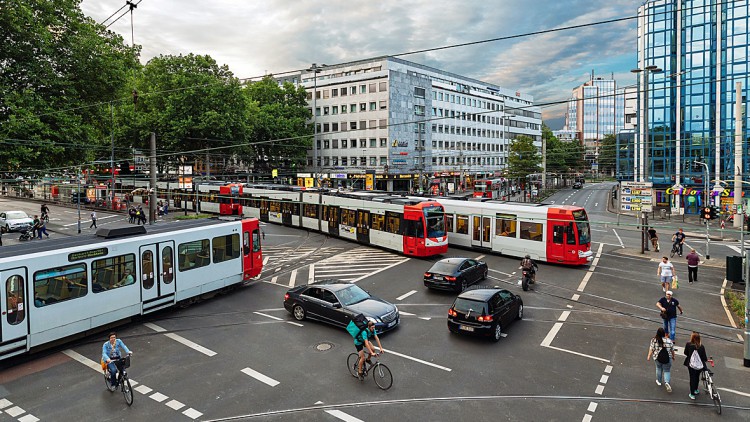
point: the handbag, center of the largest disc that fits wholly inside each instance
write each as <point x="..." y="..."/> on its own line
<point x="675" y="283"/>
<point x="663" y="314"/>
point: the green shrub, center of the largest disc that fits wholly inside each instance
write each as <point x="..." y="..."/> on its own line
<point x="736" y="303"/>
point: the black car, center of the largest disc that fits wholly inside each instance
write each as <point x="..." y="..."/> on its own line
<point x="336" y="302"/>
<point x="484" y="312"/>
<point x="577" y="185"/>
<point x="455" y="273"/>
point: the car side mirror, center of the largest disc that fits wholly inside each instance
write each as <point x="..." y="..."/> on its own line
<point x="337" y="305"/>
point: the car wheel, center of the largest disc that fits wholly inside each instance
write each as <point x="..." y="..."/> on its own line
<point x="299" y="312"/>
<point x="498" y="333"/>
<point x="484" y="274"/>
<point x="464" y="285"/>
<point x="520" y="311"/>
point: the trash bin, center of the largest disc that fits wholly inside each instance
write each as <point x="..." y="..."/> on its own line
<point x="734" y="269"/>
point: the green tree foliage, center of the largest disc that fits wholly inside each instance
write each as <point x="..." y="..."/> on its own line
<point x="573" y="153"/>
<point x="280" y="130"/>
<point x="58" y="72"/>
<point x="524" y="158"/>
<point x="555" y="152"/>
<point x="607" y="154"/>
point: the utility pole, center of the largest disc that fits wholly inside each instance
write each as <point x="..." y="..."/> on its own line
<point x="152" y="198"/>
<point x="78" y="197"/>
<point x="544" y="164"/>
<point x="112" y="157"/>
<point x="420" y="165"/>
<point x="315" y="69"/>
<point x="738" y="155"/>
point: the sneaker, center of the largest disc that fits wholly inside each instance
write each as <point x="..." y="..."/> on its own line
<point x="658" y="382"/>
<point x="692" y="397"/>
<point x="669" y="387"/>
<point x="361" y="376"/>
<point x="696" y="392"/>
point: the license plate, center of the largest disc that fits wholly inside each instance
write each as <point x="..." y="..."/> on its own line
<point x="392" y="323"/>
<point x="466" y="328"/>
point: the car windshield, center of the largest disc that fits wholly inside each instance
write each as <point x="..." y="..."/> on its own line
<point x="435" y="217"/>
<point x="466" y="305"/>
<point x="443" y="268"/>
<point x="351" y="295"/>
<point x="15" y="215"/>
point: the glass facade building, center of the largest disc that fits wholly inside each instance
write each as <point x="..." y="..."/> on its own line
<point x="687" y="111"/>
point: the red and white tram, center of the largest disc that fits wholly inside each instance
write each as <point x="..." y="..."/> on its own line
<point x="222" y="199"/>
<point x="412" y="226"/>
<point x="68" y="287"/>
<point x="488" y="188"/>
<point x="550" y="233"/>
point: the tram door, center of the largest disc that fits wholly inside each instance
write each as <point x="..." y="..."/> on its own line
<point x="264" y="210"/>
<point x="286" y="212"/>
<point x="157" y="276"/>
<point x="363" y="226"/>
<point x="13" y="302"/>
<point x="480" y="231"/>
<point x="556" y="245"/>
<point x="333" y="220"/>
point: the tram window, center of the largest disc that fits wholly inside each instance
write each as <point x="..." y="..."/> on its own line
<point x="378" y="222"/>
<point x="15" y="310"/>
<point x="571" y="240"/>
<point x="310" y="210"/>
<point x="245" y="243"/>
<point x="392" y="222"/>
<point x="256" y="240"/>
<point x="193" y="254"/>
<point x="349" y="217"/>
<point x="462" y="224"/>
<point x="147" y="269"/>
<point x="60" y="284"/>
<point x="226" y="247"/>
<point x="112" y="273"/>
<point x="531" y="231"/>
<point x="505" y="225"/>
<point x="558" y="233"/>
<point x="167" y="264"/>
<point x="449" y="223"/>
<point x="274" y="206"/>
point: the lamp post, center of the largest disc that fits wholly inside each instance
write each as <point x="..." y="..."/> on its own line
<point x="645" y="129"/>
<point x="315" y="69"/>
<point x="706" y="202"/>
<point x="78" y="197"/>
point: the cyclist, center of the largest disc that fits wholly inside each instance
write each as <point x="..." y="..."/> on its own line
<point x="678" y="238"/>
<point x="111" y="353"/>
<point x="362" y="341"/>
<point x="528" y="264"/>
<point x="45" y="212"/>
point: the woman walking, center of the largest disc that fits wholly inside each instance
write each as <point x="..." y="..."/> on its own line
<point x="695" y="360"/>
<point x="662" y="350"/>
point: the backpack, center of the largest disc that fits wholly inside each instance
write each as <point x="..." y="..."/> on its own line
<point x="695" y="361"/>
<point x="663" y="356"/>
<point x="356" y="326"/>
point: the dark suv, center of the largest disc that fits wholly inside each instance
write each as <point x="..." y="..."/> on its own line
<point x="484" y="312"/>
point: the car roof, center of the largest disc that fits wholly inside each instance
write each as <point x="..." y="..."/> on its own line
<point x="480" y="294"/>
<point x="331" y="284"/>
<point x="454" y="260"/>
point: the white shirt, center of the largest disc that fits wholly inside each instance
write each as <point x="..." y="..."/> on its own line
<point x="93" y="215"/>
<point x="666" y="269"/>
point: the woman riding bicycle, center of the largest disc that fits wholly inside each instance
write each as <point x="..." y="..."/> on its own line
<point x="362" y="341"/>
<point x="111" y="354"/>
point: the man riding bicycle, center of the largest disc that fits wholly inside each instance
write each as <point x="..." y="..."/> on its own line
<point x="678" y="239"/>
<point x="362" y="341"/>
<point x="45" y="212"/>
<point x="529" y="265"/>
<point x="111" y="354"/>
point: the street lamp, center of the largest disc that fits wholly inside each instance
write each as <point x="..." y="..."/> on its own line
<point x="645" y="129"/>
<point x="315" y="69"/>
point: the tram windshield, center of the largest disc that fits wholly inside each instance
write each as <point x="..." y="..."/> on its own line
<point x="435" y="220"/>
<point x="582" y="224"/>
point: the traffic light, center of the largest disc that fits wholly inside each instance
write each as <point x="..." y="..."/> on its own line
<point x="714" y="212"/>
<point x="706" y="213"/>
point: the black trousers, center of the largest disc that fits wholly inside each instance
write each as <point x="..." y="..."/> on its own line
<point x="692" y="274"/>
<point x="695" y="375"/>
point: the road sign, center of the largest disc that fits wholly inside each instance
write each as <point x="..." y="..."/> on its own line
<point x="636" y="196"/>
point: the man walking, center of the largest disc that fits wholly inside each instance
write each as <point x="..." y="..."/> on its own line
<point x="693" y="260"/>
<point x="665" y="273"/>
<point x="93" y="220"/>
<point x="654" y="239"/>
<point x="42" y="229"/>
<point x="668" y="307"/>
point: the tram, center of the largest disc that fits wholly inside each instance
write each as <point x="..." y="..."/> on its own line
<point x="62" y="288"/>
<point x="550" y="233"/>
<point x="222" y="199"/>
<point x="412" y="226"/>
<point x="488" y="188"/>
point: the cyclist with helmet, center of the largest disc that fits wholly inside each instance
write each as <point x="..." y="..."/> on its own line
<point x="528" y="264"/>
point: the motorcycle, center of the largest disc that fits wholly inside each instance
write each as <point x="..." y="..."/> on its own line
<point x="526" y="280"/>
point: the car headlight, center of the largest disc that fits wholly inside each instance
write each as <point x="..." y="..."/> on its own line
<point x="375" y="320"/>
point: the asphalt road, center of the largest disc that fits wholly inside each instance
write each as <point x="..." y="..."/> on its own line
<point x="578" y="354"/>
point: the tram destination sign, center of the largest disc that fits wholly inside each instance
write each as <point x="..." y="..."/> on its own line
<point x="636" y="196"/>
<point x="91" y="253"/>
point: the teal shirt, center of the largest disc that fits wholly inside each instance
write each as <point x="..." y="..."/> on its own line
<point x="366" y="334"/>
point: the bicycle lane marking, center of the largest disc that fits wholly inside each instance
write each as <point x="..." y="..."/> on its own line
<point x="180" y="339"/>
<point x="343" y="416"/>
<point x="141" y="388"/>
<point x="7" y="406"/>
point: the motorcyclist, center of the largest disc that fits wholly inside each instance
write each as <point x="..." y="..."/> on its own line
<point x="528" y="264"/>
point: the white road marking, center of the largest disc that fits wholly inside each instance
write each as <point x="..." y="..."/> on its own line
<point x="405" y="295"/>
<point x="28" y="418"/>
<point x="293" y="278"/>
<point x="175" y="405"/>
<point x="265" y="260"/>
<point x="15" y="411"/>
<point x="180" y="339"/>
<point x="158" y="397"/>
<point x="83" y="359"/>
<point x="724" y="304"/>
<point x="260" y="377"/>
<point x="380" y="270"/>
<point x="192" y="413"/>
<point x="406" y="313"/>
<point x="415" y="359"/>
<point x="143" y="389"/>
<point x="734" y="248"/>
<point x="564" y="316"/>
<point x="273" y="279"/>
<point x="5" y="403"/>
<point x="596" y="204"/>
<point x="618" y="238"/>
<point x="551" y="335"/>
<point x="500" y="272"/>
<point x="576" y="297"/>
<point x="604" y="379"/>
<point x="586" y="418"/>
<point x="295" y="323"/>
<point x="578" y="354"/>
<point x="311" y="274"/>
<point x="599" y="389"/>
<point x="479" y="257"/>
<point x="268" y="316"/>
<point x="343" y="416"/>
<point x="608" y="369"/>
<point x="425" y="318"/>
<point x="729" y="390"/>
<point x="592" y="407"/>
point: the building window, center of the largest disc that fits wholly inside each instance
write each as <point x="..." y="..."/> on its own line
<point x="419" y="110"/>
<point x="373" y="106"/>
<point x="14" y="293"/>
<point x="383" y="105"/>
<point x="344" y="161"/>
<point x="419" y="92"/>
<point x="363" y="89"/>
<point x="326" y="127"/>
<point x="363" y="124"/>
<point x="343" y="92"/>
<point x="363" y="143"/>
<point x="343" y="143"/>
<point x="352" y="125"/>
<point x="343" y="109"/>
<point x="383" y="142"/>
<point x="335" y="92"/>
<point x="362" y="106"/>
<point x="335" y="143"/>
<point x="335" y="161"/>
<point x="373" y="143"/>
<point x="382" y="123"/>
<point x="335" y="110"/>
<point x="226" y="248"/>
<point x="383" y="86"/>
<point x="352" y="108"/>
<point x="373" y="124"/>
<point x="352" y="90"/>
<point x="372" y="87"/>
<point x="373" y="161"/>
<point x="325" y="93"/>
<point x="326" y="144"/>
<point x="335" y="127"/>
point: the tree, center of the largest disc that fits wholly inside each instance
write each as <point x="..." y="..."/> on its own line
<point x="57" y="68"/>
<point x="608" y="154"/>
<point x="555" y="153"/>
<point x="524" y="158"/>
<point x="573" y="153"/>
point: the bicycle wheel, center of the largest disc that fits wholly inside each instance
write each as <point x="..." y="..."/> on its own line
<point x="382" y="375"/>
<point x="351" y="363"/>
<point x="716" y="398"/>
<point x="672" y="252"/>
<point x="109" y="385"/>
<point x="127" y="391"/>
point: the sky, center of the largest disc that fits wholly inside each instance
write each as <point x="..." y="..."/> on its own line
<point x="258" y="37"/>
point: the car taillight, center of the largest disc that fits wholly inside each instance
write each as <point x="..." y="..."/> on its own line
<point x="452" y="313"/>
<point x="286" y="297"/>
<point x="427" y="275"/>
<point x="485" y="318"/>
<point x="450" y="278"/>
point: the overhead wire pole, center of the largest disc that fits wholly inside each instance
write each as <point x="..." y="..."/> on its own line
<point x="315" y="69"/>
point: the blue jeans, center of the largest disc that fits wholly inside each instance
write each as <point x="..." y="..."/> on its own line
<point x="112" y="373"/>
<point x="663" y="368"/>
<point x="670" y="325"/>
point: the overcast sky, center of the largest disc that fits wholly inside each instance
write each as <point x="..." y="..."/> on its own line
<point x="273" y="36"/>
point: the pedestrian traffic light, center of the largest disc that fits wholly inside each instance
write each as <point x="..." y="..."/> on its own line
<point x="706" y="213"/>
<point x="714" y="213"/>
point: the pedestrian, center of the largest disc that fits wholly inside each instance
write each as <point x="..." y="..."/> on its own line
<point x="678" y="239"/>
<point x="42" y="229"/>
<point x="141" y="215"/>
<point x="665" y="273"/>
<point x="654" y="239"/>
<point x="695" y="360"/>
<point x="131" y="215"/>
<point x="166" y="207"/>
<point x="1" y="236"/>
<point x="35" y="226"/>
<point x="93" y="220"/>
<point x="662" y="350"/>
<point x="668" y="307"/>
<point x="693" y="260"/>
<point x="263" y="234"/>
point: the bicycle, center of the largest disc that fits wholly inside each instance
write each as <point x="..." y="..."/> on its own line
<point x="380" y="373"/>
<point x="675" y="249"/>
<point x="122" y="379"/>
<point x="708" y="385"/>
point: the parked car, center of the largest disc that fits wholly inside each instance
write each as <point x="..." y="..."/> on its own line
<point x="455" y="273"/>
<point x="15" y="220"/>
<point x="577" y="185"/>
<point x="336" y="302"/>
<point x="484" y="312"/>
